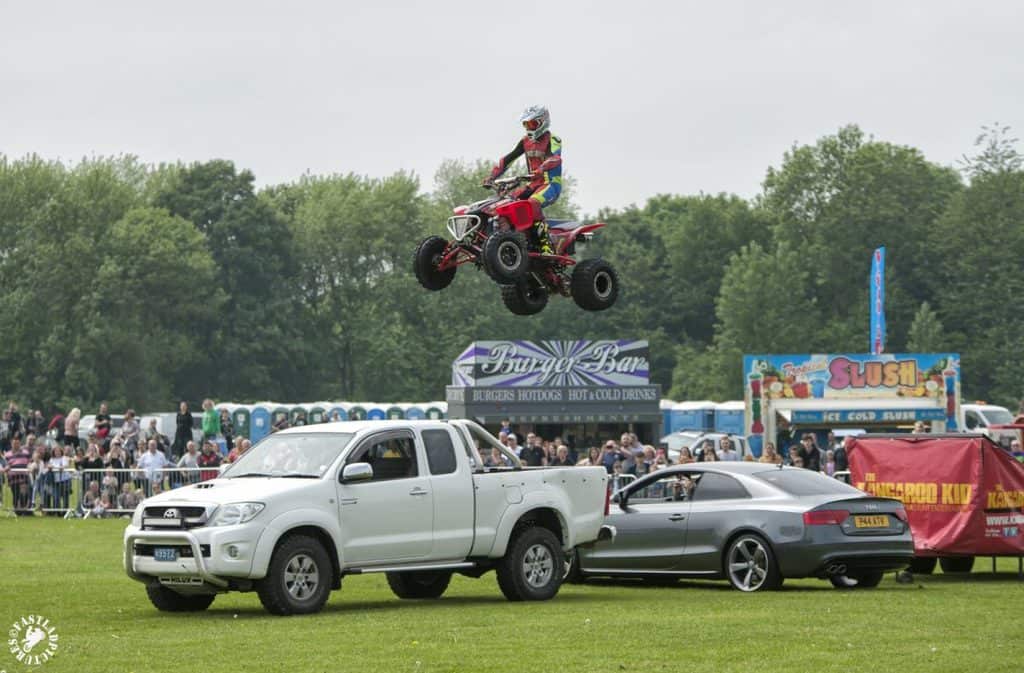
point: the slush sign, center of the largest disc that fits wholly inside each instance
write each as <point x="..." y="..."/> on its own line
<point x="846" y="373"/>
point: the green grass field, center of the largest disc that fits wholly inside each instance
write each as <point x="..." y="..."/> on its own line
<point x="70" y="572"/>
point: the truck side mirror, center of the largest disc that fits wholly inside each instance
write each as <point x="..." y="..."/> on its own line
<point x="356" y="472"/>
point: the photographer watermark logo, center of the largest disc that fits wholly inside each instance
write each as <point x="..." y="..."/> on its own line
<point x="33" y="640"/>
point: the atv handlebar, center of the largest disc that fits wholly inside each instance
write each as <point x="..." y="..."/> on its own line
<point x="505" y="184"/>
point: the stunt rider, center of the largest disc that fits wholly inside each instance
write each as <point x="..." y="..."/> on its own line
<point x="543" y="152"/>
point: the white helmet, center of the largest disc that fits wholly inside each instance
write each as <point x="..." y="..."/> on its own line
<point x="536" y="120"/>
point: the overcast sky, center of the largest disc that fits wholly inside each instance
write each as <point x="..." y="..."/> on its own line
<point x="648" y="97"/>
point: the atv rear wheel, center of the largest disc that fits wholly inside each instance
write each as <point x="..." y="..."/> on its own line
<point x="595" y="285"/>
<point x="527" y="297"/>
<point x="425" y="260"/>
<point x="505" y="256"/>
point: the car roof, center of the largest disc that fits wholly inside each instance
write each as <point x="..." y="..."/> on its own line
<point x="729" y="467"/>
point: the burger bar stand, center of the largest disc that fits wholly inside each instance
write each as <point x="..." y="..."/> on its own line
<point x="583" y="391"/>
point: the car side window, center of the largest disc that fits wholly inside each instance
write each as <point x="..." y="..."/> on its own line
<point x="440" y="451"/>
<point x="391" y="456"/>
<point x="714" y="486"/>
<point x="674" y="487"/>
<point x="972" y="420"/>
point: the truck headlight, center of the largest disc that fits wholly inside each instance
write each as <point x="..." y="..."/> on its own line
<point x="137" y="516"/>
<point x="236" y="513"/>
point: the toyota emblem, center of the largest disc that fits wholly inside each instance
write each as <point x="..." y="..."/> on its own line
<point x="171" y="513"/>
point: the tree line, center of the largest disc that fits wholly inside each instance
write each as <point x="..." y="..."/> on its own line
<point x="142" y="285"/>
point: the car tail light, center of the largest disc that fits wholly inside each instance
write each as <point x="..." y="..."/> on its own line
<point x="608" y="499"/>
<point x="825" y="517"/>
<point x="901" y="514"/>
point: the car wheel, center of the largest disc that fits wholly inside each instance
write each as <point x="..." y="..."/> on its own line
<point x="865" y="579"/>
<point x="526" y="297"/>
<point x="299" y="577"/>
<point x="426" y="584"/>
<point x="425" y="260"/>
<point x="532" y="567"/>
<point x="957" y="564"/>
<point x="166" y="600"/>
<point x="505" y="256"/>
<point x="750" y="564"/>
<point x="595" y="285"/>
<point x="924" y="565"/>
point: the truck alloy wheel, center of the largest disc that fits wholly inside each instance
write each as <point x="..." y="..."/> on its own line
<point x="298" y="579"/>
<point x="533" y="566"/>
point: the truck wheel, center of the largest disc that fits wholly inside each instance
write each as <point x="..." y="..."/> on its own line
<point x="525" y="298"/>
<point x="506" y="259"/>
<point x="865" y="579"/>
<point x="425" y="260"/>
<point x="425" y="584"/>
<point x="299" y="577"/>
<point x="957" y="564"/>
<point x="595" y="285"/>
<point x="924" y="565"/>
<point x="166" y="600"/>
<point x="533" y="566"/>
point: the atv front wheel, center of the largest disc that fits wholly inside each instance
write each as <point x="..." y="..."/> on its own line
<point x="505" y="256"/>
<point x="595" y="285"/>
<point x="526" y="297"/>
<point x="428" y="255"/>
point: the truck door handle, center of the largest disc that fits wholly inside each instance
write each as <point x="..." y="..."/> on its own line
<point x="349" y="501"/>
<point x="676" y="517"/>
<point x="418" y="491"/>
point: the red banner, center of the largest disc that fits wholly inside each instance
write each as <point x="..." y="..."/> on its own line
<point x="963" y="494"/>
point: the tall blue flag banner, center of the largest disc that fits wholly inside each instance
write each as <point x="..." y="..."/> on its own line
<point x="877" y="340"/>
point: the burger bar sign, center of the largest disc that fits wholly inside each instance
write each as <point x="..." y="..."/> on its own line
<point x="553" y="363"/>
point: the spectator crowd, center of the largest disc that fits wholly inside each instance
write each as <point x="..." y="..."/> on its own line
<point x="48" y="466"/>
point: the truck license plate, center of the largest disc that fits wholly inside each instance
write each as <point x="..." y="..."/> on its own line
<point x="165" y="554"/>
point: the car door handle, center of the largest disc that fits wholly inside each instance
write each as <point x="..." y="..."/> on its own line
<point x="349" y="501"/>
<point x="677" y="517"/>
<point x="418" y="491"/>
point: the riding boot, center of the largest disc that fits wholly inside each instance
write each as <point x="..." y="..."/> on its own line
<point x="543" y="238"/>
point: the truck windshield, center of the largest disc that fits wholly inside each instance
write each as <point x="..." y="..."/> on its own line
<point x="290" y="455"/>
<point x="997" y="416"/>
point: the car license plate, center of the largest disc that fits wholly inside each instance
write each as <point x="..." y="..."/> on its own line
<point x="873" y="521"/>
<point x="165" y="554"/>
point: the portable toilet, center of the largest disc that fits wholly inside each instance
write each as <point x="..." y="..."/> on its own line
<point x="729" y="417"/>
<point x="295" y="412"/>
<point x="317" y="413"/>
<point x="357" y="412"/>
<point x="241" y="419"/>
<point x="337" y="412"/>
<point x="434" y="412"/>
<point x="278" y="413"/>
<point x="376" y="412"/>
<point x="699" y="416"/>
<point x="415" y="412"/>
<point x="666" y="416"/>
<point x="259" y="422"/>
<point x="395" y="413"/>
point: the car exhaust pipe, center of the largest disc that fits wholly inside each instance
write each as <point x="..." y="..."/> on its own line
<point x="836" y="569"/>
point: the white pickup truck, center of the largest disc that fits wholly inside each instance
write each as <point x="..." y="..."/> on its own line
<point x="307" y="506"/>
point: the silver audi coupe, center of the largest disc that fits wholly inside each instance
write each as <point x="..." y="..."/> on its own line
<point x="750" y="523"/>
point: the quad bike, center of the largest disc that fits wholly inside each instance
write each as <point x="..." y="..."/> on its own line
<point x="496" y="234"/>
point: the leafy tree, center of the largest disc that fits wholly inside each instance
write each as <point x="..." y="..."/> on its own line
<point x="926" y="334"/>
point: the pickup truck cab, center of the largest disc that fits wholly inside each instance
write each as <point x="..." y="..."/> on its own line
<point x="308" y="506"/>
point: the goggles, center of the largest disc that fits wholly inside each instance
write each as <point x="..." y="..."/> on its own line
<point x="531" y="124"/>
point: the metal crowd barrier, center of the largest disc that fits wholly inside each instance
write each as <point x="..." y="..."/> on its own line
<point x="64" y="491"/>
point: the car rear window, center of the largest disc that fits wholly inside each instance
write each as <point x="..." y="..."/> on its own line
<point x="797" y="481"/>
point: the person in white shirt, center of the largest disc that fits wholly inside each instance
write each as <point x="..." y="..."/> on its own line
<point x="60" y="469"/>
<point x="726" y="452"/>
<point x="152" y="463"/>
<point x="189" y="465"/>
